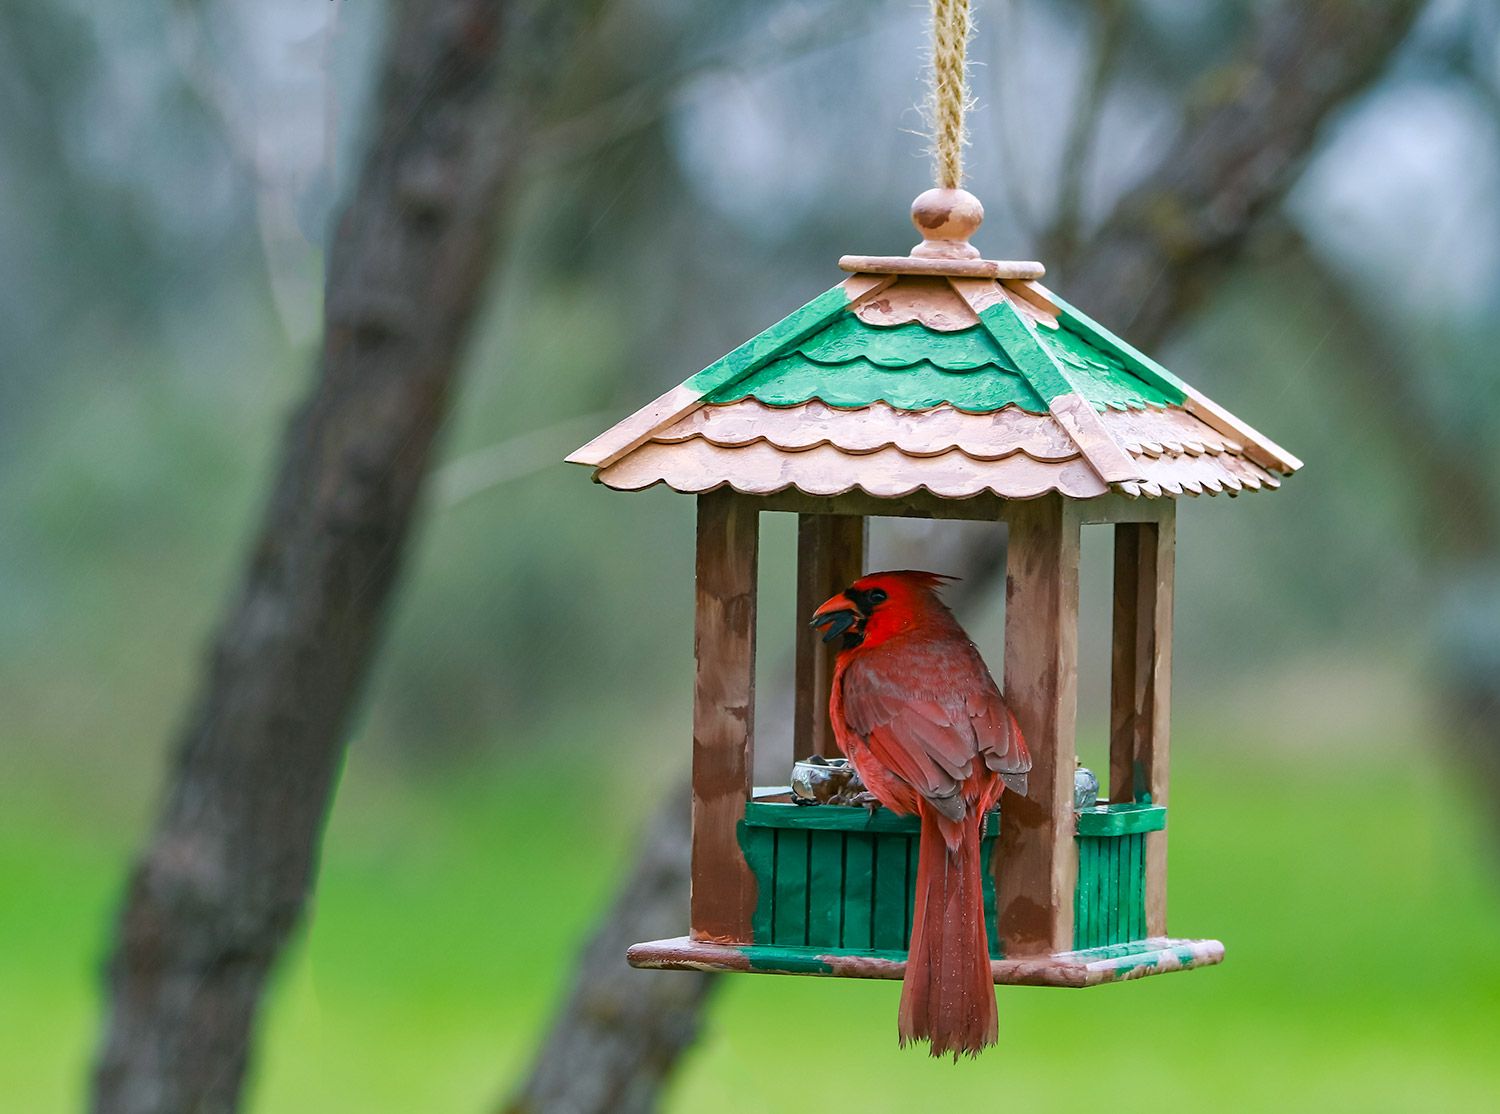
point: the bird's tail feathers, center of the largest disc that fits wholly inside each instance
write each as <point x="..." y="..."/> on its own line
<point x="948" y="995"/>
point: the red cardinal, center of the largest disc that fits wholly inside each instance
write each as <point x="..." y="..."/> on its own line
<point x="917" y="712"/>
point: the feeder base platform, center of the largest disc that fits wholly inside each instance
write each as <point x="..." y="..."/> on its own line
<point x="1090" y="967"/>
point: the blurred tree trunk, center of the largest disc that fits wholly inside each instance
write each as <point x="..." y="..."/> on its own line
<point x="1162" y="250"/>
<point x="223" y="882"/>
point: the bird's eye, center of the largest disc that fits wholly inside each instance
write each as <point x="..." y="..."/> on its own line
<point x="877" y="595"/>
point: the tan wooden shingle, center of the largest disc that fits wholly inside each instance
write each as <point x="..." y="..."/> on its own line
<point x="819" y="449"/>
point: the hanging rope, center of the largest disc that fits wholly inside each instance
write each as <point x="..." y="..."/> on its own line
<point x="948" y="94"/>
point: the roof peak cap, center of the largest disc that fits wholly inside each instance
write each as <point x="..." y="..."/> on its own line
<point x="946" y="218"/>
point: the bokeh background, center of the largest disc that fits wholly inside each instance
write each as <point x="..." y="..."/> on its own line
<point x="167" y="177"/>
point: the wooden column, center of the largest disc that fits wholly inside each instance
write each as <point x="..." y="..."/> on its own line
<point x="1141" y="683"/>
<point x="1037" y="865"/>
<point x="723" y="888"/>
<point x="830" y="556"/>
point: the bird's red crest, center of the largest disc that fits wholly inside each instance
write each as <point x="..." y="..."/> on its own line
<point x="882" y="605"/>
<point x="905" y="581"/>
<point x="910" y="599"/>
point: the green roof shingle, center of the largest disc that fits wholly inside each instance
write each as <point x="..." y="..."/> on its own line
<point x="850" y="363"/>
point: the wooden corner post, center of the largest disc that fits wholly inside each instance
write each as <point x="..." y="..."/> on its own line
<point x="830" y="556"/>
<point x="1141" y="683"/>
<point x="723" y="887"/>
<point x="1037" y="862"/>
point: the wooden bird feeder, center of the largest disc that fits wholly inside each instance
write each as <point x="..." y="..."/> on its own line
<point x="937" y="385"/>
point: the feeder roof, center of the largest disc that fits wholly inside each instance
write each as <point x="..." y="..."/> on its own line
<point x="943" y="371"/>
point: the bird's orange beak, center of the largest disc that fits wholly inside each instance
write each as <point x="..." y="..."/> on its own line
<point x="837" y="614"/>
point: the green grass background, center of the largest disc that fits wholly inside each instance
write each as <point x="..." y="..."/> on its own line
<point x="1363" y="969"/>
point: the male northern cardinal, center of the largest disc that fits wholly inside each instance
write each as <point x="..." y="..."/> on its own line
<point x="917" y="712"/>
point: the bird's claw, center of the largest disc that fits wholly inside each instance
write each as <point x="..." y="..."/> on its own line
<point x="868" y="801"/>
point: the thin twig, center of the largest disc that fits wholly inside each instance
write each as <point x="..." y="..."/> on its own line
<point x="483" y="470"/>
<point x="1012" y="165"/>
<point x="1066" y="229"/>
<point x="639" y="106"/>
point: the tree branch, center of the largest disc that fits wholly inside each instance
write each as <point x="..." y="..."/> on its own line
<point x="1168" y="240"/>
<point x="1458" y="510"/>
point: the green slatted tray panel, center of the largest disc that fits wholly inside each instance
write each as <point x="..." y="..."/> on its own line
<point x="837" y="878"/>
<point x="840" y="879"/>
<point x="1109" y="905"/>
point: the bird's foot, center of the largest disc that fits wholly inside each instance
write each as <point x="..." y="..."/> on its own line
<point x="868" y="801"/>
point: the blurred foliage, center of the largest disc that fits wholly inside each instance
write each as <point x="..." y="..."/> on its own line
<point x="167" y="172"/>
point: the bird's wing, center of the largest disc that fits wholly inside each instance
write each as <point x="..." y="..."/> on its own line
<point x="915" y="748"/>
<point x="924" y="734"/>
<point x="998" y="736"/>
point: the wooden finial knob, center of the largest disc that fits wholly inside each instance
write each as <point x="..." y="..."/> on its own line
<point x="946" y="219"/>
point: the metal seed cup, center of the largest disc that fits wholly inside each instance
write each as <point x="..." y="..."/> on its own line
<point x="819" y="780"/>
